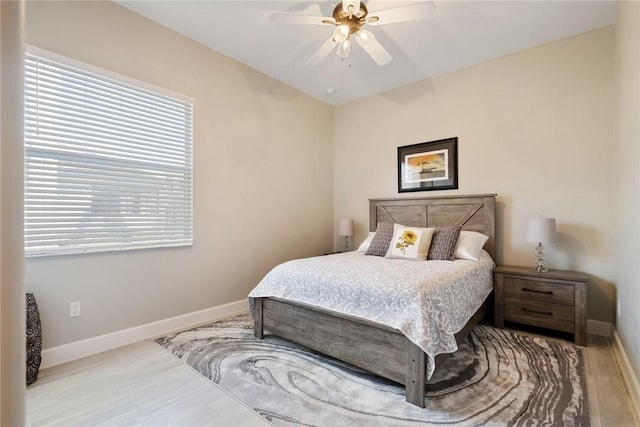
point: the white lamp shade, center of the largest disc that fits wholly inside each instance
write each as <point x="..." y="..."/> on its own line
<point x="340" y="33"/>
<point x="344" y="48"/>
<point x="541" y="230"/>
<point x="345" y="227"/>
<point x="365" y="38"/>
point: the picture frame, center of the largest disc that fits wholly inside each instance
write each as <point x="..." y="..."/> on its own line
<point x="428" y="166"/>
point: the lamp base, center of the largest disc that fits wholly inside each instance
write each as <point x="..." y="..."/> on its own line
<point x="540" y="267"/>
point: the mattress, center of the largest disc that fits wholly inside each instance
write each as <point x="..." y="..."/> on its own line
<point x="427" y="301"/>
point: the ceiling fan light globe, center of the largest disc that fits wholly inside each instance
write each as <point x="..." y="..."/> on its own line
<point x="365" y="38"/>
<point x="340" y="33"/>
<point x="344" y="49"/>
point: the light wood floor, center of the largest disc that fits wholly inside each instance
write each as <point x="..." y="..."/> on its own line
<point x="137" y="385"/>
<point x="143" y="385"/>
<point x="609" y="399"/>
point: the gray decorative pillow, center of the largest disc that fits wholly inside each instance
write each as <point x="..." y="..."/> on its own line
<point x="381" y="241"/>
<point x="443" y="243"/>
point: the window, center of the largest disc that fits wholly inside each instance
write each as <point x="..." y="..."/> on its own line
<point x="108" y="164"/>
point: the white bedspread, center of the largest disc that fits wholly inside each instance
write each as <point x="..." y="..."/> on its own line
<point x="428" y="301"/>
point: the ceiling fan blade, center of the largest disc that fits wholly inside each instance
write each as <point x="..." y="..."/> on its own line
<point x="375" y="50"/>
<point x="412" y="12"/>
<point x="283" y="18"/>
<point x="322" y="52"/>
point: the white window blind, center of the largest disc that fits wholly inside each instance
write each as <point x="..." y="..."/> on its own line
<point x="108" y="164"/>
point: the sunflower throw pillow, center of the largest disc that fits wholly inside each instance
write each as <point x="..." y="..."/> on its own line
<point x="410" y="242"/>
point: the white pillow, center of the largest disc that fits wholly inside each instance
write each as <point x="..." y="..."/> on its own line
<point x="410" y="242"/>
<point x="469" y="245"/>
<point x="366" y="242"/>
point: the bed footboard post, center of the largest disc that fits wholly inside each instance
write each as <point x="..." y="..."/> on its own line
<point x="414" y="381"/>
<point x="258" y="330"/>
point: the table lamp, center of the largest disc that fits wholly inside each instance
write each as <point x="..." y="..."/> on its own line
<point x="345" y="228"/>
<point x="541" y="230"/>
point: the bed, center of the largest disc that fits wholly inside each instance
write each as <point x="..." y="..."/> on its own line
<point x="370" y="344"/>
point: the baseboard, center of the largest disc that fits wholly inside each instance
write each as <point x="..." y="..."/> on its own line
<point x="596" y="327"/>
<point x="78" y="349"/>
<point x="628" y="375"/>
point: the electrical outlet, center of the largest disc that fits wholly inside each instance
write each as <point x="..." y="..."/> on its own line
<point x="618" y="308"/>
<point x="74" y="309"/>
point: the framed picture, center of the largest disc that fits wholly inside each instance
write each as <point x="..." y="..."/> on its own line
<point x="428" y="166"/>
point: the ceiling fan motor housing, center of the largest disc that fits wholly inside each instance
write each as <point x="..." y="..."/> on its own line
<point x="355" y="21"/>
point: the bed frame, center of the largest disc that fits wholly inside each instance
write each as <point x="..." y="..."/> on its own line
<point x="370" y="345"/>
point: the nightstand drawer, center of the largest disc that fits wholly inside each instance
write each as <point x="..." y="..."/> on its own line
<point x="552" y="316"/>
<point x="535" y="290"/>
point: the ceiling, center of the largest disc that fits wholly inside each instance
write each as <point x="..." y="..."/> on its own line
<point x="457" y="34"/>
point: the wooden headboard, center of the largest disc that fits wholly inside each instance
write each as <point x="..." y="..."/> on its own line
<point x="472" y="212"/>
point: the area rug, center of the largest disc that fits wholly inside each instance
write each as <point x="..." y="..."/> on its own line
<point x="497" y="378"/>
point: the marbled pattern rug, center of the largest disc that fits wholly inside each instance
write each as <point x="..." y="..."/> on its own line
<point x="496" y="378"/>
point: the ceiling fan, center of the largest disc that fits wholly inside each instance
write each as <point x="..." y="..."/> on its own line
<point x="349" y="17"/>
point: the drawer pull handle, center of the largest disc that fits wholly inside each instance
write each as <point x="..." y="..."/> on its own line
<point x="544" y="313"/>
<point x="537" y="291"/>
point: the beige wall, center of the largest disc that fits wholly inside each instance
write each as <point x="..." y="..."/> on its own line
<point x="534" y="127"/>
<point x="263" y="190"/>
<point x="627" y="176"/>
<point x="12" y="298"/>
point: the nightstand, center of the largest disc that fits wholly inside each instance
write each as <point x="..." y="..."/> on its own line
<point x="554" y="300"/>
